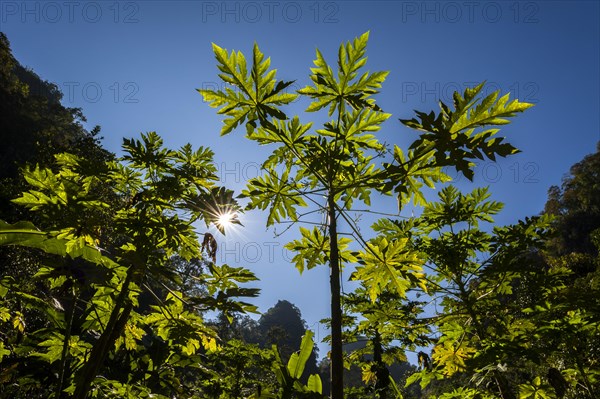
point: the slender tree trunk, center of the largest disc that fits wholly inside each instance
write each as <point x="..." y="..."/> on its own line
<point x="64" y="359"/>
<point x="113" y="329"/>
<point x="337" y="359"/>
<point x="383" y="376"/>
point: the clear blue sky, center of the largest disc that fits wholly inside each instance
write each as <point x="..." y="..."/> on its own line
<point x="133" y="66"/>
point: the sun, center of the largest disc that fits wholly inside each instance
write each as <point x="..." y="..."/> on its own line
<point x="225" y="220"/>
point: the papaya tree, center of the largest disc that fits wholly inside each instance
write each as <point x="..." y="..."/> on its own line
<point x="115" y="324"/>
<point x="478" y="331"/>
<point x="389" y="327"/>
<point x="517" y="313"/>
<point x="334" y="169"/>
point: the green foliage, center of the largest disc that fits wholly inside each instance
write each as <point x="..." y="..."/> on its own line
<point x="575" y="205"/>
<point x="535" y="390"/>
<point x="115" y="284"/>
<point x="275" y="192"/>
<point x="222" y="283"/>
<point x="453" y="135"/>
<point x="289" y="376"/>
<point x="297" y="361"/>
<point x="313" y="248"/>
<point x="467" y="393"/>
<point x="281" y="192"/>
<point x="328" y="88"/>
<point x="506" y="320"/>
<point x="237" y="370"/>
<point x="333" y="161"/>
<point x="380" y="332"/>
<point x="95" y="282"/>
<point x="392" y="264"/>
<point x="258" y="96"/>
<point x="35" y="127"/>
<point x="335" y="166"/>
<point x="452" y="138"/>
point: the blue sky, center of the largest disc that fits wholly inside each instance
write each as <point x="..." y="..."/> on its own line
<point x="133" y="66"/>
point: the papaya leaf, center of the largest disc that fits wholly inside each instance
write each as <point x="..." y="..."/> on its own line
<point x="298" y="359"/>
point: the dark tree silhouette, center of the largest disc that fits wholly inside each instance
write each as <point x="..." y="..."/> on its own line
<point x="283" y="326"/>
<point x="576" y="205"/>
